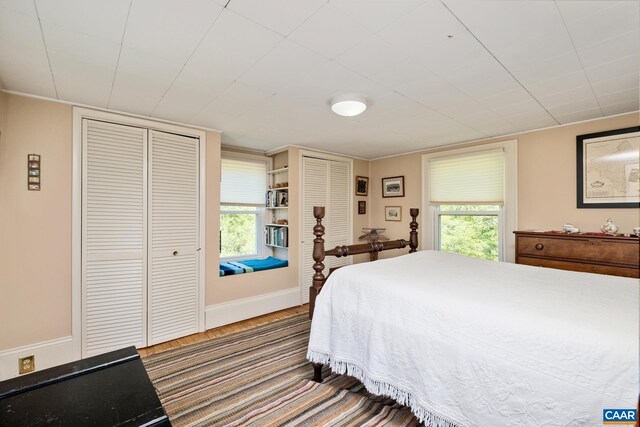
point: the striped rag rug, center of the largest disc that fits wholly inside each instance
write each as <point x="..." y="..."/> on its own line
<point x="260" y="377"/>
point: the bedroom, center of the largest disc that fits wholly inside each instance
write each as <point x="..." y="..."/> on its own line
<point x="131" y="57"/>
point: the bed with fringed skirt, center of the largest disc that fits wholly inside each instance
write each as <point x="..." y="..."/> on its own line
<point x="468" y="342"/>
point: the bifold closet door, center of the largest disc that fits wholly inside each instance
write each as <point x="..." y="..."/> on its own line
<point x="173" y="236"/>
<point x="314" y="193"/>
<point x="325" y="183"/>
<point x="114" y="194"/>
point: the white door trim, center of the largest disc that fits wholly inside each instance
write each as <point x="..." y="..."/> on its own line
<point x="76" y="213"/>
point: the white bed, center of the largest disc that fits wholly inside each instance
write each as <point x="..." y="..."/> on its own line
<point x="467" y="342"/>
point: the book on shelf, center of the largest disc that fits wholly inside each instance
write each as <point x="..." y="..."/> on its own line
<point x="276" y="198"/>
<point x="276" y="236"/>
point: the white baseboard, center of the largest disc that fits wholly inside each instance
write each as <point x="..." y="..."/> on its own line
<point x="47" y="354"/>
<point x="246" y="308"/>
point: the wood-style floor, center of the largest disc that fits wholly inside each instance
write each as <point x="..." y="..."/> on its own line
<point x="224" y="330"/>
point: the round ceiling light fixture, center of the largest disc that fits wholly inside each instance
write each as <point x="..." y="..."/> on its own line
<point x="348" y="105"/>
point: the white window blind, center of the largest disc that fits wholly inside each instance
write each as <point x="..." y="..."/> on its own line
<point x="243" y="182"/>
<point x="470" y="178"/>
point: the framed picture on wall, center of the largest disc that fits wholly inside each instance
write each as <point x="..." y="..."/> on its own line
<point x="393" y="213"/>
<point x="362" y="185"/>
<point x="608" y="169"/>
<point x="393" y="186"/>
<point x="362" y="207"/>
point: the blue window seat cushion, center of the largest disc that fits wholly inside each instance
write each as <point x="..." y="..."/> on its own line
<point x="229" y="268"/>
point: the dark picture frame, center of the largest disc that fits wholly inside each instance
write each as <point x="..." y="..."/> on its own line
<point x="362" y="185"/>
<point x="393" y="186"/>
<point x="362" y="207"/>
<point x="605" y="164"/>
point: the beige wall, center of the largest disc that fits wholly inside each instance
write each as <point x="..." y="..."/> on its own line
<point x="35" y="226"/>
<point x="546" y="182"/>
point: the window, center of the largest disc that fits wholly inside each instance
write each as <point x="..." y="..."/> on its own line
<point x="470" y="201"/>
<point x="242" y="190"/>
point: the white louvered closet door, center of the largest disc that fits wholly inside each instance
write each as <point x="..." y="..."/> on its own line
<point x="173" y="236"/>
<point x="113" y="237"/>
<point x="338" y="225"/>
<point x="325" y="183"/>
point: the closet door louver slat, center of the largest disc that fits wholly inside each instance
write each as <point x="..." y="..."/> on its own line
<point x="113" y="237"/>
<point x="173" y="236"/>
<point x="314" y="193"/>
<point x="338" y="221"/>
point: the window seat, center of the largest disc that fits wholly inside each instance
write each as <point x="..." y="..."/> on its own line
<point x="229" y="268"/>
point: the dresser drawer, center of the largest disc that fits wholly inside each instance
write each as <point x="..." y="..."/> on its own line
<point x="580" y="266"/>
<point x="591" y="249"/>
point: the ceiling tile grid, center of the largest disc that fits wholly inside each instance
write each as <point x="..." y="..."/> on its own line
<point x="434" y="72"/>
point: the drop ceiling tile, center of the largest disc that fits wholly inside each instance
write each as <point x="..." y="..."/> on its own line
<point x="616" y="84"/>
<point x="19" y="6"/>
<point x="81" y="81"/>
<point x="624" y="96"/>
<point x="484" y="18"/>
<point x="377" y="14"/>
<point x="372" y="56"/>
<point x="282" y="16"/>
<point x="237" y="100"/>
<point x="582" y="93"/>
<point x="400" y="73"/>
<point x="515" y="96"/>
<point x="66" y="43"/>
<point x="19" y="30"/>
<point x="329" y="32"/>
<point x="571" y="105"/>
<point x="623" y="107"/>
<point x="106" y="19"/>
<point x="546" y="69"/>
<point x="577" y="116"/>
<point x="610" y="49"/>
<point x="589" y="28"/>
<point x="552" y="43"/>
<point x="141" y="81"/>
<point x="577" y="10"/>
<point x="559" y="83"/>
<point x="620" y="67"/>
<point x="426" y="26"/>
<point x="285" y="64"/>
<point x="25" y="69"/>
<point x="169" y="29"/>
<point x="529" y="106"/>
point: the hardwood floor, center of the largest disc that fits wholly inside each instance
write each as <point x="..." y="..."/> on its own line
<point x="224" y="330"/>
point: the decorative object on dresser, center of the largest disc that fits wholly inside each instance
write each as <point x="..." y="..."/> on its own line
<point x="609" y="227"/>
<point x="608" y="169"/>
<point x="570" y="228"/>
<point x="586" y="252"/>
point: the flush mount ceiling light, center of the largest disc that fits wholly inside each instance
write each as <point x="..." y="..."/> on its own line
<point x="348" y="105"/>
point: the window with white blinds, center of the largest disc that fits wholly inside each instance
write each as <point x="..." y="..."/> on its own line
<point x="470" y="178"/>
<point x="243" y="181"/>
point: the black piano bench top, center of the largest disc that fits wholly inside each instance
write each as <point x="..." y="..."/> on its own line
<point x="112" y="389"/>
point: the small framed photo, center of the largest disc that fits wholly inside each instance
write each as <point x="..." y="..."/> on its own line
<point x="393" y="186"/>
<point x="34" y="157"/>
<point x="362" y="207"/>
<point x="34" y="187"/>
<point x="34" y="180"/>
<point x="34" y="172"/>
<point x="362" y="185"/>
<point x="393" y="213"/>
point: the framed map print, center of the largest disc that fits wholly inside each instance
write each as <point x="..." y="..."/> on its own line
<point x="608" y="169"/>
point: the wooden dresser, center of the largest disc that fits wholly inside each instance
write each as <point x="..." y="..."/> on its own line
<point x="591" y="253"/>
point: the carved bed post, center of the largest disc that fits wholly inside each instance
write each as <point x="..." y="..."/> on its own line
<point x="318" y="257"/>
<point x="413" y="234"/>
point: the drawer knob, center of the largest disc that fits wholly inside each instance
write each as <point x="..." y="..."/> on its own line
<point x="539" y="246"/>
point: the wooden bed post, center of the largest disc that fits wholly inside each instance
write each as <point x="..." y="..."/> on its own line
<point x="413" y="234"/>
<point x="318" y="257"/>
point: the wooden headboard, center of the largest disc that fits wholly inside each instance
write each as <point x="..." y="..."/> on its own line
<point x="319" y="253"/>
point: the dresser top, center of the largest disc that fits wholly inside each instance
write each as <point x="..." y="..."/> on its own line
<point x="586" y="235"/>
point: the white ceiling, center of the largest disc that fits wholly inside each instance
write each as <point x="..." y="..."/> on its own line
<point x="434" y="72"/>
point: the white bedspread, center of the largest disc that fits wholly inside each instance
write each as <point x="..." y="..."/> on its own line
<point x="466" y="342"/>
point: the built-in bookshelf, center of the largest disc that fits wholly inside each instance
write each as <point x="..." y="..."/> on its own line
<point x="276" y="229"/>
